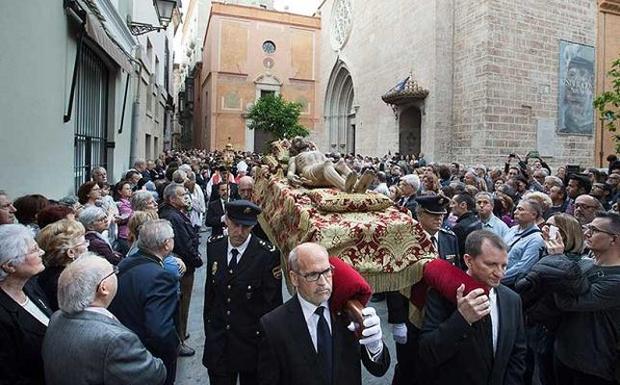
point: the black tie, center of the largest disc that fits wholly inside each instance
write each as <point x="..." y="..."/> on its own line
<point x="324" y="345"/>
<point x="233" y="261"/>
<point x="434" y="240"/>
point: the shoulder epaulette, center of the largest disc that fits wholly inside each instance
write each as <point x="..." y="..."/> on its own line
<point x="215" y="238"/>
<point x="447" y="231"/>
<point x="268" y="246"/>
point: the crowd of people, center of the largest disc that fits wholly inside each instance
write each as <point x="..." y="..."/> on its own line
<point x="103" y="279"/>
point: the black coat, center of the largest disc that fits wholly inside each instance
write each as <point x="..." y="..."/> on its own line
<point x="147" y="302"/>
<point x="235" y="302"/>
<point x="213" y="217"/>
<point x="48" y="282"/>
<point x="287" y="355"/>
<point x="186" y="239"/>
<point x="455" y="352"/>
<point x="398" y="304"/>
<point x="465" y="225"/>
<point x="21" y="338"/>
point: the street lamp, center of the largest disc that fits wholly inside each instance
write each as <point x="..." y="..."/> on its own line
<point x="164" y="10"/>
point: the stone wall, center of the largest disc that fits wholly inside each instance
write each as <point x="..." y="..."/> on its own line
<point x="506" y="77"/>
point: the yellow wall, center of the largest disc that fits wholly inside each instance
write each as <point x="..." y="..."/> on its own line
<point x="608" y="50"/>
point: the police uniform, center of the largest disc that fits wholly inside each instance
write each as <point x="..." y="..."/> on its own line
<point x="408" y="368"/>
<point x="240" y="288"/>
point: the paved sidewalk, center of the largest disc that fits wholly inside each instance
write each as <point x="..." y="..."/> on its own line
<point x="190" y="370"/>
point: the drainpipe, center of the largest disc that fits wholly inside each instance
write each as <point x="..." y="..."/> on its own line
<point x="135" y="115"/>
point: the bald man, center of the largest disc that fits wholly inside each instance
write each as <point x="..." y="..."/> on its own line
<point x="586" y="207"/>
<point x="304" y="343"/>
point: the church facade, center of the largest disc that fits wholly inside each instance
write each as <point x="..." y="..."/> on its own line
<point x="469" y="81"/>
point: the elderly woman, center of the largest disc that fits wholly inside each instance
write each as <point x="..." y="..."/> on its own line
<point x="63" y="242"/>
<point x="24" y="313"/>
<point x="143" y="201"/>
<point x="96" y="221"/>
<point x="88" y="193"/>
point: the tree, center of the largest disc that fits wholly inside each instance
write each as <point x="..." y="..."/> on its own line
<point x="608" y="103"/>
<point x="278" y="116"/>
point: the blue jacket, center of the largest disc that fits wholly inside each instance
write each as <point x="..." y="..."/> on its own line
<point x="147" y="303"/>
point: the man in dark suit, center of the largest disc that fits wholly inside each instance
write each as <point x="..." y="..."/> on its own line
<point x="305" y="344"/>
<point x="216" y="211"/>
<point x="463" y="206"/>
<point x="430" y="213"/>
<point x="244" y="281"/>
<point x="481" y="339"/>
<point x="147" y="300"/>
<point x="186" y="242"/>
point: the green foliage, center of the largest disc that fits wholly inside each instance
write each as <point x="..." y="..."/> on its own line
<point x="274" y="114"/>
<point x="608" y="104"/>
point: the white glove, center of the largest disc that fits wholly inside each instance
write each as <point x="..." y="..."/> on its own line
<point x="399" y="333"/>
<point x="371" y="335"/>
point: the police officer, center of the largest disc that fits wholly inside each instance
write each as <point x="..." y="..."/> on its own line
<point x="430" y="212"/>
<point x="244" y="282"/>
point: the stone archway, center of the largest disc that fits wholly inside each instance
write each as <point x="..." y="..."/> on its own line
<point x="340" y="112"/>
<point x="409" y="131"/>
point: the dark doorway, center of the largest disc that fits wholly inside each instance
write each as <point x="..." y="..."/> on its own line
<point x="263" y="138"/>
<point x="409" y="133"/>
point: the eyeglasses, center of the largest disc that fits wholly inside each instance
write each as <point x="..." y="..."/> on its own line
<point x="583" y="206"/>
<point x="114" y="272"/>
<point x="315" y="276"/>
<point x="593" y="229"/>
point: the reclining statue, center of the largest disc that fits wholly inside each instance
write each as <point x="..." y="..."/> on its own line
<point x="309" y="167"/>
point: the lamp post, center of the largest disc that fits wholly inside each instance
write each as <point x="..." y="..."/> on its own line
<point x="164" y="10"/>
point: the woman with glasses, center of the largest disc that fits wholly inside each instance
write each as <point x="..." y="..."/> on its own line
<point x="63" y="242"/>
<point x="88" y="193"/>
<point x="96" y="221"/>
<point x="24" y="312"/>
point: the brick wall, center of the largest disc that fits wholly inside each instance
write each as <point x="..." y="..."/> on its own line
<point x="506" y="58"/>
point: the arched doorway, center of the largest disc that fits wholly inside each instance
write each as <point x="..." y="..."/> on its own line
<point x="409" y="131"/>
<point x="340" y="112"/>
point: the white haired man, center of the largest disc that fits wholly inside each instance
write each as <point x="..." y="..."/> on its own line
<point x="147" y="300"/>
<point x="100" y="349"/>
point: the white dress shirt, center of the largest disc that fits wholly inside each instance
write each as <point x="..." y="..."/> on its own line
<point x="312" y="319"/>
<point x="494" y="317"/>
<point x="240" y="248"/>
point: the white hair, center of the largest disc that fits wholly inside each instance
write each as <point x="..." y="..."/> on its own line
<point x="90" y="215"/>
<point x="153" y="234"/>
<point x="77" y="284"/>
<point x="139" y="198"/>
<point x="412" y="180"/>
<point x="14" y="243"/>
<point x="171" y="191"/>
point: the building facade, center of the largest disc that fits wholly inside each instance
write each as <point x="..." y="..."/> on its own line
<point x="249" y="52"/>
<point x="76" y="92"/>
<point x="488" y="78"/>
<point x="608" y="43"/>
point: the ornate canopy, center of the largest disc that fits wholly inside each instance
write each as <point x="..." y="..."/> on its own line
<point x="405" y="92"/>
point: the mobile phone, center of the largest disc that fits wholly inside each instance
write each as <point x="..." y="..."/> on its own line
<point x="553" y="232"/>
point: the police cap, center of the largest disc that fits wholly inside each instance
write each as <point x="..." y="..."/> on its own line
<point x="433" y="204"/>
<point x="242" y="212"/>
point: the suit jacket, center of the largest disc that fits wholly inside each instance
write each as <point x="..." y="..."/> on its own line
<point x="287" y="355"/>
<point x="448" y="344"/>
<point x="101" y="351"/>
<point x="235" y="302"/>
<point x="213" y="217"/>
<point x="465" y="225"/>
<point x="146" y="302"/>
<point x="21" y="336"/>
<point x="186" y="239"/>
